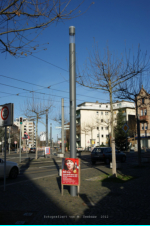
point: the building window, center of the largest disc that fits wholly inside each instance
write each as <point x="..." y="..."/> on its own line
<point x="106" y="128"/>
<point x="107" y="136"/>
<point x="100" y="106"/>
<point x="97" y="128"/>
<point x="97" y="120"/>
<point x="101" y="112"/>
<point x="101" y="128"/>
<point x="97" y="143"/>
<point x="97" y="112"/>
<point x="106" y="113"/>
<point x="146" y="126"/>
<point x="141" y="112"/>
<point x="101" y="120"/>
<point x="97" y="135"/>
<point x="142" y="126"/>
<point x="106" y="106"/>
<point x="142" y="100"/>
<point x="145" y="112"/>
<point x="118" y="104"/>
<point x="102" y="135"/>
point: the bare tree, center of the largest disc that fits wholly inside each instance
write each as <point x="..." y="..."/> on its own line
<point x="23" y="21"/>
<point x="133" y="91"/>
<point x="85" y="129"/>
<point x="106" y="74"/>
<point x="34" y="109"/>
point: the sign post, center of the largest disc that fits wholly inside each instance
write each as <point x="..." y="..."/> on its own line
<point x="21" y="120"/>
<point x="70" y="173"/>
<point x="6" y="119"/>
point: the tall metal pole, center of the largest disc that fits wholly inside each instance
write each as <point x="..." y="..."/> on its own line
<point x="62" y="124"/>
<point x="51" y="138"/>
<point x="20" y="141"/>
<point x="9" y="140"/>
<point x="46" y="128"/>
<point x="72" y="81"/>
<point x="36" y="154"/>
<point x="5" y="158"/>
<point x="138" y="133"/>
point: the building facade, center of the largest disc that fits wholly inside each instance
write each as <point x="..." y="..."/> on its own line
<point x="143" y="103"/>
<point x="93" y="121"/>
<point x="28" y="127"/>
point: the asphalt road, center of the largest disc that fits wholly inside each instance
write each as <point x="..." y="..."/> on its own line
<point x="43" y="167"/>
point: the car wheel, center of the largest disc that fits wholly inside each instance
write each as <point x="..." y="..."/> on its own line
<point x="107" y="161"/>
<point x="13" y="173"/>
<point x="123" y="159"/>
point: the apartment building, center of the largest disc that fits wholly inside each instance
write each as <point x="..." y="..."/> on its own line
<point x="143" y="103"/>
<point x="93" y="121"/>
<point x="28" y="127"/>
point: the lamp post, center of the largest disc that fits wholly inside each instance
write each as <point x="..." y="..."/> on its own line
<point x="72" y="82"/>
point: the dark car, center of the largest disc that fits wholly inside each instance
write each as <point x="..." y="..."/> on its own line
<point x="104" y="154"/>
<point x="32" y="150"/>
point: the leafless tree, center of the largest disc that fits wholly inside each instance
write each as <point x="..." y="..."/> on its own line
<point x="22" y="21"/>
<point x="34" y="109"/>
<point x="107" y="73"/>
<point x="85" y="129"/>
<point x="133" y="91"/>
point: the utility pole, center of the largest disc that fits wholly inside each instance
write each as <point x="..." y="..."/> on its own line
<point x="62" y="124"/>
<point x="46" y="127"/>
<point x="51" y="138"/>
<point x="9" y="140"/>
<point x="36" y="154"/>
<point x="138" y="132"/>
<point x="21" y="121"/>
<point x="72" y="82"/>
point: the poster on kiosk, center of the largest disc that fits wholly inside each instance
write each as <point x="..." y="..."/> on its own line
<point x="70" y="171"/>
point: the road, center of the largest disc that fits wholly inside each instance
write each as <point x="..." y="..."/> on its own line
<point x="43" y="167"/>
<point x="47" y="167"/>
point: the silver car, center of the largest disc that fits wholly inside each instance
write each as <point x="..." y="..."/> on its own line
<point x="12" y="169"/>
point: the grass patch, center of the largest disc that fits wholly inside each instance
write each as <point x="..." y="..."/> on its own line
<point x="118" y="179"/>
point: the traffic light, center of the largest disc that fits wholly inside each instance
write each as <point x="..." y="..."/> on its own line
<point x="21" y="120"/>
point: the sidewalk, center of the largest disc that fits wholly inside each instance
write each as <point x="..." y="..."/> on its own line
<point x="40" y="201"/>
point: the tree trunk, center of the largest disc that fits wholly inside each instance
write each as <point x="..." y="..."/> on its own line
<point x="112" y="134"/>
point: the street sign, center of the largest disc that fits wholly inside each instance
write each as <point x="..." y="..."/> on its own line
<point x="15" y="142"/>
<point x="9" y="140"/>
<point x="6" y="114"/>
<point x="125" y="128"/>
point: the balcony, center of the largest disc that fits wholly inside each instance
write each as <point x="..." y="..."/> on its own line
<point x="143" y="118"/>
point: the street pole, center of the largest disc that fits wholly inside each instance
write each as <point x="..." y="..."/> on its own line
<point x="138" y="133"/>
<point x="5" y="158"/>
<point x="36" y="155"/>
<point x="20" y="141"/>
<point x="126" y="139"/>
<point x="57" y="140"/>
<point x="72" y="82"/>
<point x="51" y="138"/>
<point x="62" y="124"/>
<point x="46" y="128"/>
<point x="9" y="140"/>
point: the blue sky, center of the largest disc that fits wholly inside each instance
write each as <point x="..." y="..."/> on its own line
<point x="115" y="23"/>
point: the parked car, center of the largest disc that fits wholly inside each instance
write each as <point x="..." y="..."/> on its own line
<point x="12" y="169"/>
<point x="32" y="150"/>
<point x="104" y="154"/>
<point x="80" y="149"/>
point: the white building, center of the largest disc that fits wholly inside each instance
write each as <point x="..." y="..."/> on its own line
<point x="28" y="127"/>
<point x="93" y="121"/>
